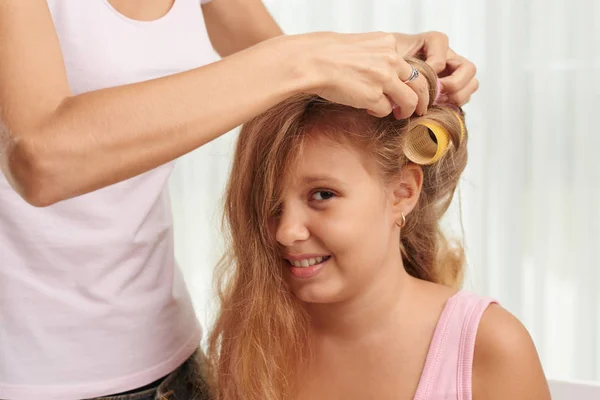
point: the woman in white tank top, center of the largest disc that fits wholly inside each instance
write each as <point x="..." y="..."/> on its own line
<point x="97" y="98"/>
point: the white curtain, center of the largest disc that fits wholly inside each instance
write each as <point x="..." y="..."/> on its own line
<point x="530" y="198"/>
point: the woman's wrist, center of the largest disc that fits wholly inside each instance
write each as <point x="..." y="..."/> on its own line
<point x="299" y="66"/>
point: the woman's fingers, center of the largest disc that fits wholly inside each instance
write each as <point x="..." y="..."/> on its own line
<point x="462" y="72"/>
<point x="408" y="94"/>
<point x="381" y="108"/>
<point x="463" y="96"/>
<point x="365" y="71"/>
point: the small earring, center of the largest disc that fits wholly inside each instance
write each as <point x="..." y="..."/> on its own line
<point x="403" y="223"/>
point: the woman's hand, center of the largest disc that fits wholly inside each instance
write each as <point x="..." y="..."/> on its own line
<point x="457" y="74"/>
<point x="360" y="70"/>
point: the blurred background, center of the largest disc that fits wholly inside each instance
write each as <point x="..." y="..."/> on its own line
<point x="529" y="201"/>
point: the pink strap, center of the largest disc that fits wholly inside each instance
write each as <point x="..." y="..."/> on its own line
<point x="436" y="350"/>
<point x="467" y="348"/>
<point x="449" y="363"/>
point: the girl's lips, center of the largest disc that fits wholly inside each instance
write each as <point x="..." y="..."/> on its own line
<point x="300" y="257"/>
<point x="307" y="262"/>
<point x="306" y="272"/>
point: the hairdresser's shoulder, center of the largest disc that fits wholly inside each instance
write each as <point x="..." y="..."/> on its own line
<point x="505" y="363"/>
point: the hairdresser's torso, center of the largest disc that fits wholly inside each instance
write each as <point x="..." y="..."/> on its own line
<point x="91" y="299"/>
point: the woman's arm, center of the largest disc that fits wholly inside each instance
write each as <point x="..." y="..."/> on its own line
<point x="55" y="145"/>
<point x="506" y="364"/>
<point x="234" y="25"/>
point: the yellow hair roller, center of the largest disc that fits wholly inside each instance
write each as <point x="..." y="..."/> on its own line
<point x="463" y="130"/>
<point x="426" y="146"/>
<point x="421" y="148"/>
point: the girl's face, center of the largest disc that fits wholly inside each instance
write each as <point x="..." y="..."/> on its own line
<point x="337" y="224"/>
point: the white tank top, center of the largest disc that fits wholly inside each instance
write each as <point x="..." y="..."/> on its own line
<point x="91" y="299"/>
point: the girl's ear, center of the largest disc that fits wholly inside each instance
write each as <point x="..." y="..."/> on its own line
<point x="406" y="190"/>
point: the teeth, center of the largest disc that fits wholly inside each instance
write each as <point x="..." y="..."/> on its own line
<point x="306" y="262"/>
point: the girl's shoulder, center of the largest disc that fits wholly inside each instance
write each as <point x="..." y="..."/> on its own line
<point x="505" y="362"/>
<point x="484" y="346"/>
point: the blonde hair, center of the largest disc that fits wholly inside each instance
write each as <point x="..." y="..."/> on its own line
<point x="259" y="338"/>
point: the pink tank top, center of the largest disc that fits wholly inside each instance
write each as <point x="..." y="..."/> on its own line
<point x="449" y="365"/>
<point x="91" y="299"/>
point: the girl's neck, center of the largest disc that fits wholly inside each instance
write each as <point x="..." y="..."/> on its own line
<point x="378" y="307"/>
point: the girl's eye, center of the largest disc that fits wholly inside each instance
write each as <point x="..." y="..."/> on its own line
<point x="322" y="195"/>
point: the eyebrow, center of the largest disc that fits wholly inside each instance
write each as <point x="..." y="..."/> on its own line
<point x="320" y="178"/>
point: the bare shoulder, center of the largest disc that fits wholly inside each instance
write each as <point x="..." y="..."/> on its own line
<point x="506" y="364"/>
<point x="434" y="292"/>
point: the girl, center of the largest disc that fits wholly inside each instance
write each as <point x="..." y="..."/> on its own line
<point x="339" y="283"/>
